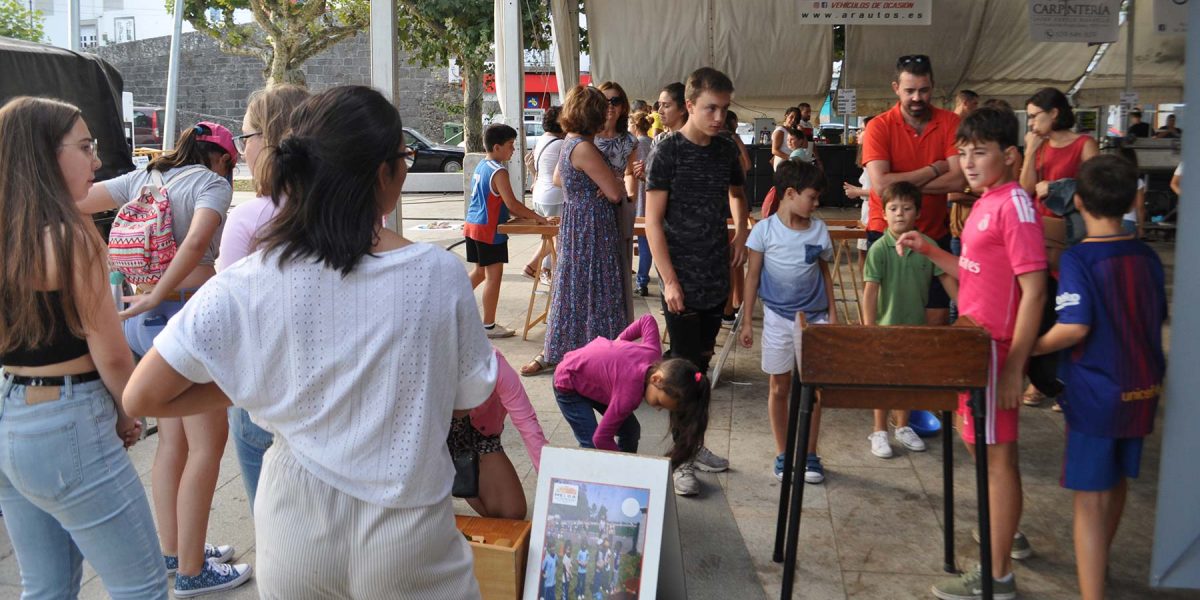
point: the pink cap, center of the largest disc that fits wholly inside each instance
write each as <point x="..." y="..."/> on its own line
<point x="219" y="136"/>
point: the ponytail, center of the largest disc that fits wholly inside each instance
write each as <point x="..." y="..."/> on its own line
<point x="691" y="390"/>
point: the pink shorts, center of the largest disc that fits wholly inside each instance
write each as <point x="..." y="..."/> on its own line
<point x="1000" y="427"/>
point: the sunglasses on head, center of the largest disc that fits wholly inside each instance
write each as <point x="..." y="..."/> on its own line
<point x="616" y="101"/>
<point x="909" y="59"/>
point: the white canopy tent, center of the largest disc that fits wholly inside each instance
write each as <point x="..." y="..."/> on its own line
<point x="774" y="63"/>
<point x="1158" y="65"/>
<point x="983" y="46"/>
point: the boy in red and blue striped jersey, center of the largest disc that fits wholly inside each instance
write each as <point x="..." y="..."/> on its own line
<point x="1111" y="305"/>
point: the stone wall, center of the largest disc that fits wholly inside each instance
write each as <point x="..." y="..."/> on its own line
<point x="214" y="85"/>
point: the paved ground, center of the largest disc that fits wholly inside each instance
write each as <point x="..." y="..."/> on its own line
<point x="873" y="530"/>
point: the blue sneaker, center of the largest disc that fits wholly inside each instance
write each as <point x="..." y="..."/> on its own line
<point x="779" y="467"/>
<point x="221" y="554"/>
<point x="213" y="577"/>
<point x="813" y="472"/>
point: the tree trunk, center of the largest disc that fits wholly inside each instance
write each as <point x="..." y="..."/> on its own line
<point x="473" y="105"/>
<point x="277" y="70"/>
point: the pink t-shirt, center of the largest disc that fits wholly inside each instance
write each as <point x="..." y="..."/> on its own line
<point x="1001" y="240"/>
<point x="244" y="222"/>
<point x="612" y="372"/>
<point x="509" y="398"/>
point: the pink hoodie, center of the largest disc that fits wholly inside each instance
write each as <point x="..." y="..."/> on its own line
<point x="509" y="398"/>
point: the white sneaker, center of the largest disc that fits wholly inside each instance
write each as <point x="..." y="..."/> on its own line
<point x="685" y="480"/>
<point x="499" y="331"/>
<point x="910" y="439"/>
<point x="879" y="444"/>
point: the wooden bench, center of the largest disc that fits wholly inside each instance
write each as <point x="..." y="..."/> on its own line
<point x="902" y="368"/>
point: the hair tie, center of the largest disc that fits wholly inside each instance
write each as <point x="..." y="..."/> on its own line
<point x="698" y="376"/>
<point x="294" y="150"/>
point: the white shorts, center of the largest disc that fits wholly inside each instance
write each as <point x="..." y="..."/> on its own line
<point x="779" y="342"/>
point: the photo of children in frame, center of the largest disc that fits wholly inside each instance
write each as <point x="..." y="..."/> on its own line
<point x="594" y="543"/>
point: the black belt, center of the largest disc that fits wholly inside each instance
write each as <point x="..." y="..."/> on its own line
<point x="53" y="380"/>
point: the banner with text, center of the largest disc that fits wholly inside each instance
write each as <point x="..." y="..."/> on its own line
<point x="866" y="12"/>
<point x="1080" y="21"/>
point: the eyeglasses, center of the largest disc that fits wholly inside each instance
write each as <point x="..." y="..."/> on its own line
<point x="909" y="59"/>
<point x="1029" y="116"/>
<point x="616" y="101"/>
<point x="240" y="141"/>
<point x="89" y="147"/>
<point x="408" y="154"/>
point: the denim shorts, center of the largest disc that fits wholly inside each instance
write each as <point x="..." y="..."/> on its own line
<point x="141" y="330"/>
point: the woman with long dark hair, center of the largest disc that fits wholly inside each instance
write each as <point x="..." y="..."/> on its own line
<point x="67" y="488"/>
<point x="368" y="342"/>
<point x="587" y="299"/>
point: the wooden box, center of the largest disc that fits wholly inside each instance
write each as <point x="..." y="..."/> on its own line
<point x="500" y="557"/>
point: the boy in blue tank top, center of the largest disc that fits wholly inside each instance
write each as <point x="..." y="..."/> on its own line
<point x="491" y="200"/>
<point x="1111" y="305"/>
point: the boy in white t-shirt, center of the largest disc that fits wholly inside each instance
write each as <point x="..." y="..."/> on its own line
<point x="789" y="255"/>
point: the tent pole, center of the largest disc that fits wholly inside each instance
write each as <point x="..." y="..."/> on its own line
<point x="510" y="79"/>
<point x="171" y="120"/>
<point x="73" y="25"/>
<point x="1177" y="524"/>
<point x="1129" y="27"/>
<point x="383" y="71"/>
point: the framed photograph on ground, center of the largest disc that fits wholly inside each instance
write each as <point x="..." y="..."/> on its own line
<point x="604" y="528"/>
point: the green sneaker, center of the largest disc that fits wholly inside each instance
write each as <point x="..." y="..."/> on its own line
<point x="969" y="586"/>
<point x="1021" y="549"/>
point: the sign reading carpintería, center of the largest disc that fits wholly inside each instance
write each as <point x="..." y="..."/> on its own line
<point x="1080" y="21"/>
<point x="866" y="12"/>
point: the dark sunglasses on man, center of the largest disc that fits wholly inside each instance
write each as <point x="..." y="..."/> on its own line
<point x="909" y="59"/>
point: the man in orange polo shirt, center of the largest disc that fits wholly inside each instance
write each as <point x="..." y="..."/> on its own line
<point x="914" y="142"/>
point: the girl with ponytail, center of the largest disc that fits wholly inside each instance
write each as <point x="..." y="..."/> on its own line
<point x="354" y="346"/>
<point x="612" y="377"/>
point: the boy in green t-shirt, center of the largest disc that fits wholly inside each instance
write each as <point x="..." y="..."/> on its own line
<point x="897" y="290"/>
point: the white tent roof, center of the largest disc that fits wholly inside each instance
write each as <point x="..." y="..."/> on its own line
<point x="773" y="62"/>
<point x="1157" y="65"/>
<point x="983" y="45"/>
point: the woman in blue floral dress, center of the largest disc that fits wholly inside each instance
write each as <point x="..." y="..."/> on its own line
<point x="587" y="300"/>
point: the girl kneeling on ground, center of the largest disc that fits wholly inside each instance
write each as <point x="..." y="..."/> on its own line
<point x="500" y="493"/>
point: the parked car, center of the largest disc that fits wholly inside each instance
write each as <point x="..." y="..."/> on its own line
<point x="429" y="157"/>
<point x="148" y="122"/>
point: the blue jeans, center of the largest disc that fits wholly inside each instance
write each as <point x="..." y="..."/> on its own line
<point x="252" y="443"/>
<point x="580" y="413"/>
<point x="644" y="262"/>
<point x="141" y="330"/>
<point x="69" y="492"/>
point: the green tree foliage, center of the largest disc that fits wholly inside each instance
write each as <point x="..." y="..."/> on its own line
<point x="18" y="22"/>
<point x="435" y="31"/>
<point x="284" y="34"/>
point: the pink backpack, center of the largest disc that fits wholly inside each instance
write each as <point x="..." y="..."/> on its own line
<point x="141" y="243"/>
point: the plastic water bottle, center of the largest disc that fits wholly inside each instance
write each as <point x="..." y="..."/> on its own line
<point x="116" y="280"/>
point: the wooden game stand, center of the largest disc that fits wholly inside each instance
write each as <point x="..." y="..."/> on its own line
<point x="902" y="368"/>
